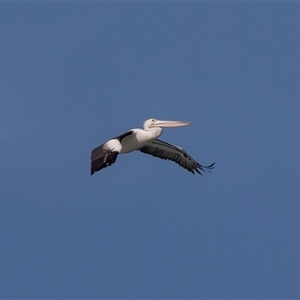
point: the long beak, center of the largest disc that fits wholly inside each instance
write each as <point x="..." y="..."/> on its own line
<point x="161" y="123"/>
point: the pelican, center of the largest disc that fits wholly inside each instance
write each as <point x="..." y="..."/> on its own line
<point x="145" y="140"/>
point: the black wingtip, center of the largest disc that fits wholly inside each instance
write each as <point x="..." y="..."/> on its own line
<point x="204" y="168"/>
<point x="210" y="166"/>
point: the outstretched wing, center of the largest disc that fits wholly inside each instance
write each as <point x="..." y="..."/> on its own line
<point x="167" y="151"/>
<point x="102" y="157"/>
<point x="106" y="154"/>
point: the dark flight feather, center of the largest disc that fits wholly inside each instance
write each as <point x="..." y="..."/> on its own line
<point x="167" y="151"/>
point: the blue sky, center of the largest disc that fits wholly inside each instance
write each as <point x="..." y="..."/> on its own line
<point x="73" y="75"/>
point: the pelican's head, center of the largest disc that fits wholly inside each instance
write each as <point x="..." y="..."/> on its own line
<point x="151" y="123"/>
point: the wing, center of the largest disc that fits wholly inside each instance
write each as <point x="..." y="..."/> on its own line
<point x="167" y="151"/>
<point x="106" y="154"/>
<point x="102" y="158"/>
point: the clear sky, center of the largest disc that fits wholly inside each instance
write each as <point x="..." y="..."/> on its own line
<point x="75" y="74"/>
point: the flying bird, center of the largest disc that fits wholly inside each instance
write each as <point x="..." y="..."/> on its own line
<point x="146" y="141"/>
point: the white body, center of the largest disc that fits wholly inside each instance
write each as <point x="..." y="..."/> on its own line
<point x="138" y="139"/>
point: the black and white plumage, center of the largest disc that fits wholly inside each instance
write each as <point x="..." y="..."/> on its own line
<point x="145" y="140"/>
<point x="106" y="154"/>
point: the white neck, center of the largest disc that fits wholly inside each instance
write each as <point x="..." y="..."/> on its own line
<point x="154" y="132"/>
